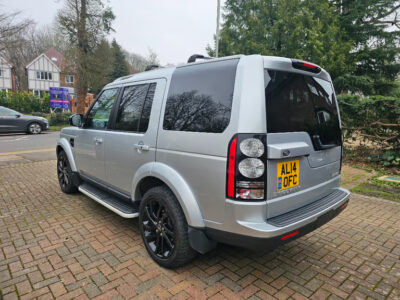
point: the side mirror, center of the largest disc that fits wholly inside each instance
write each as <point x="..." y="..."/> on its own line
<point x="18" y="116"/>
<point x="76" y="120"/>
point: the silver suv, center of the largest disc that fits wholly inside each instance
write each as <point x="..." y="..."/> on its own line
<point x="243" y="150"/>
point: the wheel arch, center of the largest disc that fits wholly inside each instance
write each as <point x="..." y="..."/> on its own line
<point x="154" y="174"/>
<point x="63" y="145"/>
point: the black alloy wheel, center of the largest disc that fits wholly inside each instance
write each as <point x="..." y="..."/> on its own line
<point x="64" y="173"/>
<point x="158" y="229"/>
<point x="164" y="228"/>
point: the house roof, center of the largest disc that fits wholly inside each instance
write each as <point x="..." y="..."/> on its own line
<point x="61" y="62"/>
<point x="56" y="57"/>
<point x="46" y="57"/>
<point x="7" y="62"/>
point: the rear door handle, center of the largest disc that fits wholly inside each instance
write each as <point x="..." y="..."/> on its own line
<point x="142" y="147"/>
<point x="285" y="150"/>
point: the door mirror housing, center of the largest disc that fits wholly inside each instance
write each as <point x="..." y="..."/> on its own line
<point x="76" y="120"/>
<point x="18" y="115"/>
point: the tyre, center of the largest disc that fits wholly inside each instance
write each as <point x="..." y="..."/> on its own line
<point x="164" y="228"/>
<point x="34" y="128"/>
<point x="65" y="174"/>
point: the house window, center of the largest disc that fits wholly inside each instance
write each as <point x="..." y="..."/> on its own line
<point x="40" y="94"/>
<point x="69" y="78"/>
<point x="44" y="75"/>
<point x="1" y="73"/>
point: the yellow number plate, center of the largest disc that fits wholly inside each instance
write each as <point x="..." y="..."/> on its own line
<point x="287" y="174"/>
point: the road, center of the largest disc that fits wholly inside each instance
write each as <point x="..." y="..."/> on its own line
<point x="17" y="148"/>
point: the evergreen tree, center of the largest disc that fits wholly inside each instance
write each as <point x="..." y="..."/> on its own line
<point x="100" y="67"/>
<point x="373" y="26"/>
<point x="308" y="30"/>
<point x="119" y="64"/>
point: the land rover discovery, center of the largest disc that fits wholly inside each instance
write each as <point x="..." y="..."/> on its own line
<point x="243" y="150"/>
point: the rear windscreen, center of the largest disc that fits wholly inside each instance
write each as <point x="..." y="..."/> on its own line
<point x="297" y="102"/>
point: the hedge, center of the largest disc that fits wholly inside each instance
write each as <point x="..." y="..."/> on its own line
<point x="374" y="118"/>
<point x="24" y="102"/>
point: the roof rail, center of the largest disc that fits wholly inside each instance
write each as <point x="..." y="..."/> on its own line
<point x="196" y="56"/>
<point x="123" y="77"/>
<point x="151" y="67"/>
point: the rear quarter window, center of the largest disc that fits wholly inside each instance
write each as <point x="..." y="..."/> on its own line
<point x="200" y="97"/>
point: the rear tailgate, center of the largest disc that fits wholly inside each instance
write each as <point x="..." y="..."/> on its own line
<point x="303" y="138"/>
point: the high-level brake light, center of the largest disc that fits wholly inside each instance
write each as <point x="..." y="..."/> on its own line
<point x="305" y="66"/>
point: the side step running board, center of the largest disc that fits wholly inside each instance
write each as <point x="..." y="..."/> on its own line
<point x="113" y="203"/>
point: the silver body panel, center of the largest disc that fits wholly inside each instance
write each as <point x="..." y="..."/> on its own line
<point x="193" y="164"/>
<point x="123" y="156"/>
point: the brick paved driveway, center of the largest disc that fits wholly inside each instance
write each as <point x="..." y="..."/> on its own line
<point x="54" y="245"/>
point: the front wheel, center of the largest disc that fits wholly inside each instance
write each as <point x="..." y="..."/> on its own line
<point x="34" y="128"/>
<point x="65" y="174"/>
<point x="164" y="228"/>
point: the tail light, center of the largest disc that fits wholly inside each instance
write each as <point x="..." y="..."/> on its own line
<point x="246" y="169"/>
<point x="305" y="66"/>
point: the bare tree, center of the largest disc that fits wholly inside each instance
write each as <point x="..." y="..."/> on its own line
<point x="85" y="22"/>
<point x="139" y="62"/>
<point x="10" y="27"/>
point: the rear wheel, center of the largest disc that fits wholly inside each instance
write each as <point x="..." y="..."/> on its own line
<point x="65" y="174"/>
<point x="34" y="128"/>
<point x="164" y="228"/>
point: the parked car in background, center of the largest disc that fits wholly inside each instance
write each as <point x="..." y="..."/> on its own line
<point x="13" y="121"/>
<point x="243" y="150"/>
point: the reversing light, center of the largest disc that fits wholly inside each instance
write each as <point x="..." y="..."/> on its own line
<point x="252" y="147"/>
<point x="251" y="167"/>
<point x="250" y="194"/>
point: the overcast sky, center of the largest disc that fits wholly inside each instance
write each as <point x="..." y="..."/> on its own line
<point x="174" y="29"/>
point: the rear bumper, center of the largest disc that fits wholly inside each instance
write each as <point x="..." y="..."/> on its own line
<point x="274" y="232"/>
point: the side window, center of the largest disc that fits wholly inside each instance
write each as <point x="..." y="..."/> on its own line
<point x="5" y="112"/>
<point x="98" y="116"/>
<point x="134" y="108"/>
<point x="144" y="120"/>
<point x="200" y="97"/>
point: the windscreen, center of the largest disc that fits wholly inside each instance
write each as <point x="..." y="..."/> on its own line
<point x="297" y="102"/>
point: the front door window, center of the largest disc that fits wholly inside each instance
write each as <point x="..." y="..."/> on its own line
<point x="98" y="116"/>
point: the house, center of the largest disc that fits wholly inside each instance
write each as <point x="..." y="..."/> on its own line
<point x="7" y="75"/>
<point x="88" y="103"/>
<point x="50" y="69"/>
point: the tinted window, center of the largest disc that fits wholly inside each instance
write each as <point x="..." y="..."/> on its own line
<point x="99" y="114"/>
<point x="134" y="108"/>
<point x="200" y="97"/>
<point x="144" y="121"/>
<point x="297" y="102"/>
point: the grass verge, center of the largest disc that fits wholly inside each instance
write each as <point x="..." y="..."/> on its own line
<point x="380" y="190"/>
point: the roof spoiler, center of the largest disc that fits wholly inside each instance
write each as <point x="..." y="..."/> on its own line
<point x="151" y="67"/>
<point x="197" y="56"/>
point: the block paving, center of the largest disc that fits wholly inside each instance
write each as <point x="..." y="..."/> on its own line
<point x="61" y="246"/>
